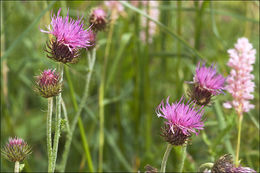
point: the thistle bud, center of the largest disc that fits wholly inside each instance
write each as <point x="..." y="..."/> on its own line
<point x="98" y="19"/>
<point x="48" y="83"/>
<point x="16" y="150"/>
<point x="92" y="39"/>
<point x="150" y="169"/>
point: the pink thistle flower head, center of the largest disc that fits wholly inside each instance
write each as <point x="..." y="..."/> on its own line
<point x="206" y="84"/>
<point x="239" y="82"/>
<point x="16" y="150"/>
<point x="48" y="83"/>
<point x="70" y="36"/>
<point x="181" y="120"/>
<point x="98" y="19"/>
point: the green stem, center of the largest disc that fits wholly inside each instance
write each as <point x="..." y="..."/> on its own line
<point x="49" y="141"/>
<point x="179" y="31"/>
<point x="77" y="117"/>
<point x="57" y="122"/>
<point x="102" y="94"/>
<point x="16" y="167"/>
<point x="183" y="156"/>
<point x="205" y="166"/>
<point x="240" y="119"/>
<point x="165" y="158"/>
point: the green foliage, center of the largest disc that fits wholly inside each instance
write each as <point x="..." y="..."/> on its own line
<point x="139" y="75"/>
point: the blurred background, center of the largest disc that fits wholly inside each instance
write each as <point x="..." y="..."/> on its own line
<point x="146" y="63"/>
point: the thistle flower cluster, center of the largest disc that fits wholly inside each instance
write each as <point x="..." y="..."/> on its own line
<point x="239" y="83"/>
<point x="16" y="149"/>
<point x="48" y="83"/>
<point x="70" y="37"/>
<point x="225" y="164"/>
<point x="154" y="12"/>
<point x="206" y="84"/>
<point x="182" y="119"/>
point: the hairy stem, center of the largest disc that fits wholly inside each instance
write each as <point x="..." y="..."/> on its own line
<point x="49" y="141"/>
<point x="57" y="121"/>
<point x="102" y="94"/>
<point x="183" y="156"/>
<point x="91" y="63"/>
<point x="165" y="158"/>
<point x="16" y="167"/>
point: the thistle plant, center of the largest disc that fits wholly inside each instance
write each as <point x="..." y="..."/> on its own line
<point x="98" y="19"/>
<point x="16" y="150"/>
<point x="182" y="120"/>
<point x="206" y="84"/>
<point x="239" y="83"/>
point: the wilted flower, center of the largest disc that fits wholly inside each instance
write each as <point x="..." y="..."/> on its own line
<point x="154" y="13"/>
<point x="48" y="83"/>
<point x="181" y="120"/>
<point x="16" y="150"/>
<point x="239" y="83"/>
<point x="206" y="83"/>
<point x="70" y="36"/>
<point x="98" y="19"/>
<point x="225" y="164"/>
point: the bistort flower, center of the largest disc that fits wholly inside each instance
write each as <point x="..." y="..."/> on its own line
<point x="16" y="150"/>
<point x="70" y="36"/>
<point x="225" y="164"/>
<point x="181" y="121"/>
<point x="48" y="83"/>
<point x="239" y="83"/>
<point x="206" y="83"/>
<point x="98" y="19"/>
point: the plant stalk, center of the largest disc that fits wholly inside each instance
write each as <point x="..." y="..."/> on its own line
<point x="240" y="119"/>
<point x="183" y="156"/>
<point x="91" y="63"/>
<point x="165" y="158"/>
<point x="16" y="167"/>
<point x="57" y="122"/>
<point x="102" y="94"/>
<point x="49" y="141"/>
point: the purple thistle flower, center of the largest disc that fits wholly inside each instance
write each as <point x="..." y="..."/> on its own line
<point x="98" y="19"/>
<point x="16" y="150"/>
<point x="70" y="36"/>
<point x="242" y="170"/>
<point x="181" y="120"/>
<point x="48" y="83"/>
<point x="206" y="83"/>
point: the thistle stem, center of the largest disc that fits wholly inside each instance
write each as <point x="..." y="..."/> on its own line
<point x="183" y="156"/>
<point x="16" y="167"/>
<point x="57" y="122"/>
<point x="77" y="118"/>
<point x="240" y="118"/>
<point x="102" y="94"/>
<point x="49" y="141"/>
<point x="165" y="158"/>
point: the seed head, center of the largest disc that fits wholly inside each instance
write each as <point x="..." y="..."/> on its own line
<point x="181" y="121"/>
<point x="16" y="150"/>
<point x="48" y="83"/>
<point x="98" y="19"/>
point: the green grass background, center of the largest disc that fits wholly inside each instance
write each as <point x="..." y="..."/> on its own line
<point x="139" y="76"/>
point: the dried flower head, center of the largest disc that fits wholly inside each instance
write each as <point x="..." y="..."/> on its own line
<point x="206" y="84"/>
<point x="98" y="19"/>
<point x="150" y="169"/>
<point x="225" y="164"/>
<point x="181" y="121"/>
<point x="239" y="83"/>
<point x="48" y="83"/>
<point x="70" y="36"/>
<point x="16" y="150"/>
